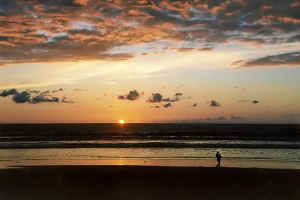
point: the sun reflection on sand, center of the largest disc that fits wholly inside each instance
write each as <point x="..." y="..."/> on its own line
<point x="155" y="162"/>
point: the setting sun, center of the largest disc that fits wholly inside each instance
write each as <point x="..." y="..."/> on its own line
<point x="121" y="122"/>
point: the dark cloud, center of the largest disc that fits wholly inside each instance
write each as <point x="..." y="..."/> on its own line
<point x="57" y="2"/>
<point x="59" y="90"/>
<point x="254" y="102"/>
<point x="83" y="32"/>
<point x="208" y="119"/>
<point x="243" y="101"/>
<point x="132" y="95"/>
<point x="286" y="59"/>
<point x="33" y="91"/>
<point x="237" y="118"/>
<point x="122" y="97"/>
<point x="214" y="103"/>
<point x="168" y="100"/>
<point x="167" y="105"/>
<point x="175" y="98"/>
<point x="38" y="97"/>
<point x="194" y="105"/>
<point x="205" y="49"/>
<point x="6" y="93"/>
<point x="178" y="95"/>
<point x="220" y="118"/>
<point x="154" y="106"/>
<point x="22" y="97"/>
<point x="45" y="92"/>
<point x="43" y="98"/>
<point x="64" y="100"/>
<point x="155" y="97"/>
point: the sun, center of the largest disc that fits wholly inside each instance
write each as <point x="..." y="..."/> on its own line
<point x="121" y="122"/>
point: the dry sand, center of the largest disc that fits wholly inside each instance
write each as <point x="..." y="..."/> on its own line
<point x="147" y="182"/>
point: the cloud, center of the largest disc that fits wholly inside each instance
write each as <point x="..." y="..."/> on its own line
<point x="45" y="92"/>
<point x="33" y="91"/>
<point x="6" y="93"/>
<point x="155" y="97"/>
<point x="64" y="100"/>
<point x="185" y="49"/>
<point x="175" y="98"/>
<point x="122" y="97"/>
<point x="43" y="98"/>
<point x="178" y="95"/>
<point x="82" y="2"/>
<point x="168" y="100"/>
<point x="59" y="31"/>
<point x="254" y="102"/>
<point x="59" y="90"/>
<point x="220" y="118"/>
<point x="205" y="49"/>
<point x="286" y="59"/>
<point x="208" y="119"/>
<point x="154" y="106"/>
<point x="237" y="118"/>
<point x="167" y="105"/>
<point x="194" y="105"/>
<point x="132" y="95"/>
<point x="22" y="97"/>
<point x="34" y="96"/>
<point x="214" y="103"/>
<point x="243" y="101"/>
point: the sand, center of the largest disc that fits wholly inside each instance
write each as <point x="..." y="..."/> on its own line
<point x="236" y="163"/>
<point x="147" y="182"/>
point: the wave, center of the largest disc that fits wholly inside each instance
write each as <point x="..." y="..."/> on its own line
<point x="63" y="144"/>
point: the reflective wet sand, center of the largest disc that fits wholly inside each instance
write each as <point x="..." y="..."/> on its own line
<point x="157" y="162"/>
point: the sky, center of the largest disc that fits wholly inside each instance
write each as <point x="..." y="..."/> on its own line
<point x="143" y="61"/>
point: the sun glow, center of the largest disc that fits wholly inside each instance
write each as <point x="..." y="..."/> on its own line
<point x="121" y="122"/>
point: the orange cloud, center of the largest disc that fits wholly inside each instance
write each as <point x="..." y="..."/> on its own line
<point x="289" y="19"/>
<point x="82" y="2"/>
<point x="62" y="30"/>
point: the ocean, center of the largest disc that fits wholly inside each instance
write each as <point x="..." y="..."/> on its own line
<point x="148" y="140"/>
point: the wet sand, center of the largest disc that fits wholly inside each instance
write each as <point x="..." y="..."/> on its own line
<point x="147" y="182"/>
<point x="236" y="163"/>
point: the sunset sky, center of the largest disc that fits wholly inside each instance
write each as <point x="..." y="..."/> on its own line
<point x="202" y="61"/>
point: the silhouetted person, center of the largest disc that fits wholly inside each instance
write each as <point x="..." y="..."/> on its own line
<point x="218" y="155"/>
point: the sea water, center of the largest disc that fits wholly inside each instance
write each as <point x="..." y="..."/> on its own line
<point x="150" y="141"/>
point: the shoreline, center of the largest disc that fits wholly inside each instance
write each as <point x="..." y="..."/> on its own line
<point x="206" y="163"/>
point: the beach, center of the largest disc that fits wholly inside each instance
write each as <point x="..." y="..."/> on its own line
<point x="149" y="161"/>
<point x="79" y="181"/>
